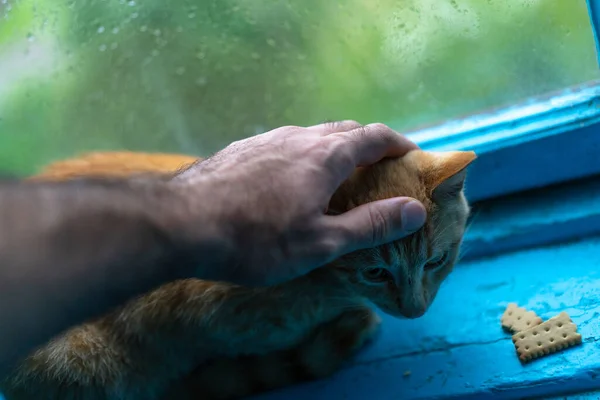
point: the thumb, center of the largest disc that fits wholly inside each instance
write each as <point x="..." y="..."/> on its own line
<point x="380" y="222"/>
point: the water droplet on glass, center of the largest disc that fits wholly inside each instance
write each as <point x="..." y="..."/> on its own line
<point x="4" y="1"/>
<point x="191" y="15"/>
<point x="180" y="70"/>
<point x="157" y="32"/>
<point x="131" y="3"/>
<point x="134" y="15"/>
<point x="271" y="42"/>
<point x="143" y="28"/>
<point x="115" y="30"/>
<point x="101" y="29"/>
<point x="102" y="47"/>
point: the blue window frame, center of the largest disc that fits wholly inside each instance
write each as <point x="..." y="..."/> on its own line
<point x="519" y="146"/>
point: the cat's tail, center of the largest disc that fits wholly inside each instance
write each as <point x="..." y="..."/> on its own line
<point x="114" y="164"/>
<point x="317" y="357"/>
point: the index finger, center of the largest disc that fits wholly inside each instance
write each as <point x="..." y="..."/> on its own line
<point x="368" y="144"/>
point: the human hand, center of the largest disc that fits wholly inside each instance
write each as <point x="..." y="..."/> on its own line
<point x="267" y="198"/>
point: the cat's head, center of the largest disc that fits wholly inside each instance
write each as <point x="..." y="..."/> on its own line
<point x="402" y="278"/>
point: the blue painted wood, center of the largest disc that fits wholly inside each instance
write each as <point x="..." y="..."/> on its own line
<point x="540" y="116"/>
<point x="458" y="350"/>
<point x="580" y="396"/>
<point x="539" y="163"/>
<point x="545" y="140"/>
<point x="551" y="215"/>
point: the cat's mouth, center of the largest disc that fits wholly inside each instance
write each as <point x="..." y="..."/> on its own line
<point x="404" y="312"/>
<point x="413" y="313"/>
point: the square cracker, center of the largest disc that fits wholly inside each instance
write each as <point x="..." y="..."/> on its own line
<point x="553" y="335"/>
<point x="516" y="319"/>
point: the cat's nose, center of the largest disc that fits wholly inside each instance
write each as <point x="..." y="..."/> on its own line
<point x="413" y="306"/>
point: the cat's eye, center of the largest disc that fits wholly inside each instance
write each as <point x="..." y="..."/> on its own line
<point x="378" y="275"/>
<point x="436" y="262"/>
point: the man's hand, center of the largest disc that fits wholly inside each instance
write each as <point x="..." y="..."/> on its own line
<point x="253" y="213"/>
<point x="267" y="197"/>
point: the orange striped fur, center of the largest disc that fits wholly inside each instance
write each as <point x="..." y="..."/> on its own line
<point x="195" y="339"/>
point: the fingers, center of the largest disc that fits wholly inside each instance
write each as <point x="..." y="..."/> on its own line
<point x="377" y="223"/>
<point x="328" y="128"/>
<point x="361" y="147"/>
<point x="371" y="143"/>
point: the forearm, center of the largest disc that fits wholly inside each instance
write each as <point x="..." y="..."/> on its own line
<point x="69" y="252"/>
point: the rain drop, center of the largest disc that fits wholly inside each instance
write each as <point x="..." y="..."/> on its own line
<point x="101" y="29"/>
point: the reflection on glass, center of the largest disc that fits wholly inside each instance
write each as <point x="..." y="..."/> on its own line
<point x="192" y="76"/>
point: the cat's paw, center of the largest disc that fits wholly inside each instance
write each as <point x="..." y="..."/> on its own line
<point x="336" y="341"/>
<point x="357" y="328"/>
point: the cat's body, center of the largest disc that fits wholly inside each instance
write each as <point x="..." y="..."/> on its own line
<point x="200" y="339"/>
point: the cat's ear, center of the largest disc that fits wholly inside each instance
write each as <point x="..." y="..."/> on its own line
<point x="446" y="173"/>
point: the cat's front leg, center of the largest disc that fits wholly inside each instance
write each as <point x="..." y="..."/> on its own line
<point x="208" y="319"/>
<point x="320" y="355"/>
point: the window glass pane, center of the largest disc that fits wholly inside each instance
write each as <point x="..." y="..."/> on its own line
<point x="191" y="76"/>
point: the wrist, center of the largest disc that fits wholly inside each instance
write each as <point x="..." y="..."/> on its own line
<point x="196" y="229"/>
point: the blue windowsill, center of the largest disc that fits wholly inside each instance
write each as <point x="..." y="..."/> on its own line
<point x="458" y="349"/>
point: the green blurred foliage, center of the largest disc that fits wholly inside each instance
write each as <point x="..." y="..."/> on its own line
<point x="191" y="76"/>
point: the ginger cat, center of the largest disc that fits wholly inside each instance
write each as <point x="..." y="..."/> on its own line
<point x="193" y="339"/>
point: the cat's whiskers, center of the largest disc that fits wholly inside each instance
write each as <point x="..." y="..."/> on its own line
<point x="442" y="234"/>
